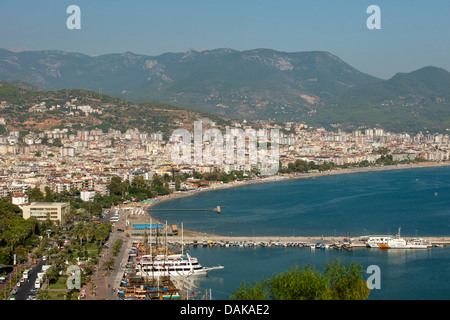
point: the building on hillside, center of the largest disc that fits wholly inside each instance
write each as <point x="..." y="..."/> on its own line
<point x="55" y="211"/>
<point x="19" y="199"/>
<point x="87" y="194"/>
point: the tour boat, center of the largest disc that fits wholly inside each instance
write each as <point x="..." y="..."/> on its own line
<point x="174" y="265"/>
<point x="377" y="241"/>
<point x="388" y="242"/>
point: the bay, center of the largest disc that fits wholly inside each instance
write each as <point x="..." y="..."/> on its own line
<point x="417" y="200"/>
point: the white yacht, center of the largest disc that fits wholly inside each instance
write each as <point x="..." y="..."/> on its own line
<point x="174" y="265"/>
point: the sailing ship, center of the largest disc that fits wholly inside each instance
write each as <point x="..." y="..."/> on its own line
<point x="162" y="261"/>
<point x="155" y="272"/>
<point x="135" y="287"/>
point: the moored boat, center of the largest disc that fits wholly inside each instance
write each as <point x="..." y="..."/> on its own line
<point x="174" y="265"/>
<point x="397" y="242"/>
<point x="377" y="241"/>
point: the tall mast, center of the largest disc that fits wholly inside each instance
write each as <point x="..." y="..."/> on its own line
<point x="166" y="239"/>
<point x="150" y="230"/>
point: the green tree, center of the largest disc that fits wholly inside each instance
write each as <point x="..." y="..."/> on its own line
<point x="298" y="283"/>
<point x="345" y="281"/>
<point x="115" y="186"/>
<point x="52" y="274"/>
<point x="80" y="231"/>
<point x="109" y="264"/>
<point x="177" y="184"/>
<point x="138" y="181"/>
<point x="156" y="181"/>
<point x="338" y="282"/>
<point x="35" y="195"/>
<point x="256" y="291"/>
<point x="48" y="194"/>
<point x="102" y="232"/>
<point x="6" y="207"/>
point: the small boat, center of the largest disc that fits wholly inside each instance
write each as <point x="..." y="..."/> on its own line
<point x="347" y="246"/>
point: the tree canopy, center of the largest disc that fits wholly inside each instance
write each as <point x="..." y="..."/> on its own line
<point x="337" y="282"/>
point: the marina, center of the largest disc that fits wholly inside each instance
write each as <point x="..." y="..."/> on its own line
<point x="310" y="222"/>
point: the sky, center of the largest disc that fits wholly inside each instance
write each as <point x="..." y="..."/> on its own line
<point x="413" y="33"/>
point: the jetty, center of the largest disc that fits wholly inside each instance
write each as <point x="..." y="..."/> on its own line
<point x="274" y="241"/>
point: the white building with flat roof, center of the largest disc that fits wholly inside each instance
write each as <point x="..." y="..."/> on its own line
<point x="87" y="194"/>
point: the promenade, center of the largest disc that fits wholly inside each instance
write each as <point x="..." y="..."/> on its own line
<point x="104" y="281"/>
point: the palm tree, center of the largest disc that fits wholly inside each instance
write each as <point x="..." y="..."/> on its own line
<point x="80" y="231"/>
<point x="109" y="263"/>
<point x="90" y="229"/>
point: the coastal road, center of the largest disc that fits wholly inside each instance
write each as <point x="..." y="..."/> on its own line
<point x="25" y="289"/>
<point x="114" y="278"/>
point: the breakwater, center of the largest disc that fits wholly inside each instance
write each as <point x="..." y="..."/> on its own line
<point x="223" y="241"/>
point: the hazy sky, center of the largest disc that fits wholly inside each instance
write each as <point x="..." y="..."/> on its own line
<point x="413" y="33"/>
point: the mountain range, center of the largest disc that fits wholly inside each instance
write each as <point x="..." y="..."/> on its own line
<point x="410" y="102"/>
<point x="314" y="87"/>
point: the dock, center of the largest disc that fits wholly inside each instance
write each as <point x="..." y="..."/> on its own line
<point x="230" y="241"/>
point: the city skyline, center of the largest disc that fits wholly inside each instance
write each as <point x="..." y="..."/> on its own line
<point x="410" y="36"/>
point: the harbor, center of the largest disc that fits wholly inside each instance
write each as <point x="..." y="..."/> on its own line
<point x="248" y="240"/>
<point x="155" y="248"/>
<point x="137" y="225"/>
<point x="143" y="224"/>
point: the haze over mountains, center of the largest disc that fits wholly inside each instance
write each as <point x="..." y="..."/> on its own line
<point x="315" y="87"/>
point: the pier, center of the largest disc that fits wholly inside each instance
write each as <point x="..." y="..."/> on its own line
<point x="218" y="209"/>
<point x="229" y="241"/>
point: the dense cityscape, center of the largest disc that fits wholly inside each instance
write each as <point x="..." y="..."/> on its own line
<point x="64" y="159"/>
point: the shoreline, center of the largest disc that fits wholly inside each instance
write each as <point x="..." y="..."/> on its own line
<point x="286" y="177"/>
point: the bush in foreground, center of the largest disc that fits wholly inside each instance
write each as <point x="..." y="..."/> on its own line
<point x="337" y="282"/>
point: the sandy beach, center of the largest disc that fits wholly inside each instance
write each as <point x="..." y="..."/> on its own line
<point x="183" y="194"/>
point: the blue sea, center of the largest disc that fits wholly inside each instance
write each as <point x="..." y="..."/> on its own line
<point x="353" y="205"/>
